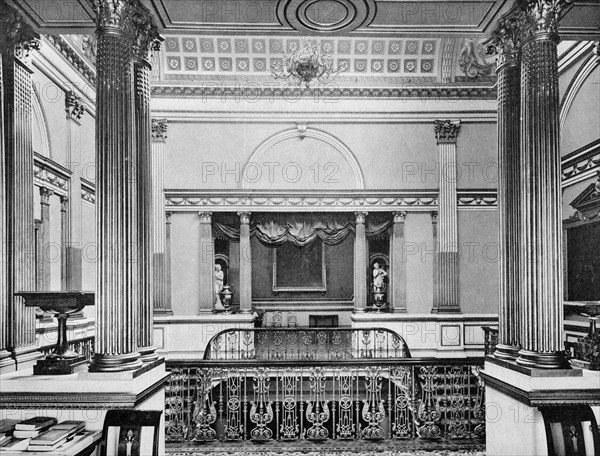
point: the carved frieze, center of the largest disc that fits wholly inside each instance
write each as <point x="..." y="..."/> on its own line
<point x="74" y="107"/>
<point x="159" y="130"/>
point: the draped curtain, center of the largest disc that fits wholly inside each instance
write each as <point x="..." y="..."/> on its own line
<point x="301" y="229"/>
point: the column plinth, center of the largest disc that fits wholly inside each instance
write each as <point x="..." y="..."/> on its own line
<point x="541" y="262"/>
<point x="505" y="43"/>
<point x="360" y="263"/>
<point x="245" y="264"/>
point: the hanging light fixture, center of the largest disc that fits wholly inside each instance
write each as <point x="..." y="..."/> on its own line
<point x="307" y="64"/>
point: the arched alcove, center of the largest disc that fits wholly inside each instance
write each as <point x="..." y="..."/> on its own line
<point x="302" y="158"/>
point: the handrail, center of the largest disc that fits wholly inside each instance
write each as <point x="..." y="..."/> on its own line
<point x="308" y="344"/>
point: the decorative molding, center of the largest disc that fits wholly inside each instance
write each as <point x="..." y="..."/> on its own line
<point x="581" y="164"/>
<point x="480" y="199"/>
<point x="88" y="192"/>
<point x="74" y="107"/>
<point x="441" y="92"/>
<point x="302" y="131"/>
<point x="471" y="60"/>
<point x="159" y="130"/>
<point x="67" y="51"/>
<point x="587" y="203"/>
<point x="49" y="174"/>
<point x="303" y="201"/>
<point x="446" y="131"/>
<point x="40" y="114"/>
<point x="588" y="66"/>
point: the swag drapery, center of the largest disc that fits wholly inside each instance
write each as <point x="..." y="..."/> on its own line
<point x="300" y="229"/>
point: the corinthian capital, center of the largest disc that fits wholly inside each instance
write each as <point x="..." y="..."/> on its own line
<point x="159" y="130"/>
<point x="541" y="16"/>
<point x="15" y="33"/>
<point x="446" y="131"/>
<point x="505" y="42"/>
<point x="73" y="105"/>
<point x="146" y="37"/>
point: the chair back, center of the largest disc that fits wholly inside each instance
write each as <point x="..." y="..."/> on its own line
<point x="571" y="430"/>
<point x="131" y="433"/>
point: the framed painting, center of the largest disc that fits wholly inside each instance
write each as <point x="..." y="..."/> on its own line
<point x="299" y="269"/>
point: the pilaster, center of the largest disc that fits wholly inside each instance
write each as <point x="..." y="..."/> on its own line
<point x="446" y="132"/>
<point x="207" y="263"/>
<point x="162" y="304"/>
<point x="17" y="322"/>
<point x="44" y="237"/>
<point x="245" y="264"/>
<point x="360" y="263"/>
<point x="398" y="272"/>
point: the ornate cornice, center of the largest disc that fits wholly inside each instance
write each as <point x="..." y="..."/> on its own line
<point x="505" y="42"/>
<point x="581" y="164"/>
<point x="446" y="131"/>
<point x="159" y="130"/>
<point x="482" y="199"/>
<point x="61" y="45"/>
<point x="17" y="34"/>
<point x="88" y="192"/>
<point x="442" y="92"/>
<point x="47" y="173"/>
<point x="540" y="17"/>
<point x="74" y="107"/>
<point x="273" y="201"/>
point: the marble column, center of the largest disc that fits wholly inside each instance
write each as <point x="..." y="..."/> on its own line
<point x="505" y="43"/>
<point x="541" y="262"/>
<point x="207" y="263"/>
<point x="119" y="214"/>
<point x="168" y="261"/>
<point x="446" y="132"/>
<point x="398" y="266"/>
<point x="159" y="272"/>
<point x="146" y="40"/>
<point x="74" y="109"/>
<point x="361" y="294"/>
<point x="245" y="264"/>
<point x="17" y="322"/>
<point x="44" y="238"/>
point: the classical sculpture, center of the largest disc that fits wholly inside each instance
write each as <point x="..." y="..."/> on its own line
<point x="378" y="276"/>
<point x="379" y="288"/>
<point x="219" y="277"/>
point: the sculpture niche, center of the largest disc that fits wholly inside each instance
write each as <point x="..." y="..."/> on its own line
<point x="379" y="288"/>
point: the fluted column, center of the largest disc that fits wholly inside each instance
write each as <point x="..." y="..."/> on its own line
<point x="146" y="40"/>
<point x="65" y="236"/>
<point x="446" y="132"/>
<point x="398" y="280"/>
<point x="360" y="263"/>
<point x="505" y="44"/>
<point x="434" y="234"/>
<point x="541" y="266"/>
<point x="44" y="237"/>
<point x="159" y="270"/>
<point x="245" y="264"/>
<point x="72" y="250"/>
<point x="118" y="199"/>
<point x="17" y="322"/>
<point x="207" y="263"/>
<point x="168" y="216"/>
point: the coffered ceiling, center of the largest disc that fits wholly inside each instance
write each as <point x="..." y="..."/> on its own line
<point x="348" y="18"/>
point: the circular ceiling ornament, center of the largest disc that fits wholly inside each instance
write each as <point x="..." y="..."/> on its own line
<point x="325" y="16"/>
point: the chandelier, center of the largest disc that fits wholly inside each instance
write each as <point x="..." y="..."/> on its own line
<point x="307" y="64"/>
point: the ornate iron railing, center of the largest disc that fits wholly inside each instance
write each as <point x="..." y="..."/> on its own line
<point x="83" y="346"/>
<point x="308" y="344"/>
<point x="323" y="400"/>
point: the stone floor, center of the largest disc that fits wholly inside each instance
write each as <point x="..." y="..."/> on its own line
<point x="339" y="448"/>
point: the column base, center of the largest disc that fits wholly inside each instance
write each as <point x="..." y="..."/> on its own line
<point x="553" y="360"/>
<point x="246" y="311"/>
<point x="163" y="312"/>
<point x="508" y="352"/>
<point x="147" y="354"/>
<point x="361" y="310"/>
<point x="115" y="363"/>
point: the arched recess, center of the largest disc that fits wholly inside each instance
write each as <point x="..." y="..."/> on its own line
<point x="575" y="85"/>
<point x="336" y="164"/>
<point x="40" y="132"/>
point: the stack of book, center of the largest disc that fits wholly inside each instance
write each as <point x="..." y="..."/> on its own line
<point x="6" y="430"/>
<point x="56" y="436"/>
<point x="33" y="427"/>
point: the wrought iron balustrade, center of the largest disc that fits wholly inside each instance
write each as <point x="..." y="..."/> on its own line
<point x="306" y="344"/>
<point x="84" y="346"/>
<point x="320" y="400"/>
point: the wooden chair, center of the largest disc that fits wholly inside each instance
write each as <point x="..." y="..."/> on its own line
<point x="277" y="321"/>
<point x="134" y="432"/>
<point x="571" y="431"/>
<point x="292" y="320"/>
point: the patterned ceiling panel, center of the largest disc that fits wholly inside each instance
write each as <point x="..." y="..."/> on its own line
<point x="192" y="55"/>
